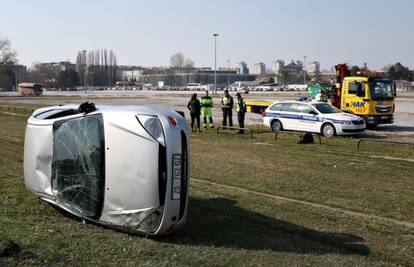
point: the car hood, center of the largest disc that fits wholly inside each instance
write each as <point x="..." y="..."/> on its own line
<point x="341" y="116"/>
<point x="131" y="160"/>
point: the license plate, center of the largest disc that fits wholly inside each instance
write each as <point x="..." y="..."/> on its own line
<point x="384" y="117"/>
<point x="176" y="181"/>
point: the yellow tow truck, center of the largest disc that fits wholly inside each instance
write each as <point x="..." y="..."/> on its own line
<point x="367" y="94"/>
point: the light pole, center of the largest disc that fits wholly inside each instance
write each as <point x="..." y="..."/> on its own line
<point x="16" y="78"/>
<point x="86" y="69"/>
<point x="304" y="70"/>
<point x="228" y="73"/>
<point x="215" y="62"/>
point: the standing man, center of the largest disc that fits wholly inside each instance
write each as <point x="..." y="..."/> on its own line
<point x="194" y="108"/>
<point x="227" y="106"/>
<point x="241" y="108"/>
<point x="206" y="110"/>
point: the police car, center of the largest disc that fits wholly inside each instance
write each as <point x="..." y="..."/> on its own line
<point x="316" y="117"/>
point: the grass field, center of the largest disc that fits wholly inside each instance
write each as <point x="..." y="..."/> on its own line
<point x="231" y="227"/>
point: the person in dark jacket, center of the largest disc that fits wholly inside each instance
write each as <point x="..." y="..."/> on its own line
<point x="226" y="107"/>
<point x="195" y="110"/>
<point x="241" y="108"/>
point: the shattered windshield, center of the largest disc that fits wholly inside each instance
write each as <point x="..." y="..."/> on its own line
<point x="78" y="164"/>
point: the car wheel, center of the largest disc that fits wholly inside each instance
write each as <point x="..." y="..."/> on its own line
<point x="276" y="126"/>
<point x="328" y="130"/>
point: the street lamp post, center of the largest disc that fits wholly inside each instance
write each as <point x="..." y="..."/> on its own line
<point x="228" y="74"/>
<point x="16" y="79"/>
<point x="86" y="69"/>
<point x="304" y="70"/>
<point x="215" y="62"/>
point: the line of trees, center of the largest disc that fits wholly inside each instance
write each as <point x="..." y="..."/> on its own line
<point x="7" y="61"/>
<point x="99" y="66"/>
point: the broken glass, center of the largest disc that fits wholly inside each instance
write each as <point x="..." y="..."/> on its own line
<point x="78" y="164"/>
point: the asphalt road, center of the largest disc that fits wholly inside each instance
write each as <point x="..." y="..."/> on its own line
<point x="403" y="124"/>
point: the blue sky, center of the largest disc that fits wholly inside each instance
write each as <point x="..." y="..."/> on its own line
<point x="147" y="33"/>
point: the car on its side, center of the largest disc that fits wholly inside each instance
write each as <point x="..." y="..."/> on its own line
<point x="314" y="117"/>
<point x="121" y="167"/>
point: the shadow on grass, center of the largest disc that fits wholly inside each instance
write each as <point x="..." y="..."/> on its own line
<point x="219" y="222"/>
<point x="394" y="128"/>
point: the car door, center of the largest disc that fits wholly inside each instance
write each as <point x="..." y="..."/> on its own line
<point x="290" y="117"/>
<point x="307" y="121"/>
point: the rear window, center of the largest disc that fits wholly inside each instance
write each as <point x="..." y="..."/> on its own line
<point x="276" y="107"/>
<point x="78" y="164"/>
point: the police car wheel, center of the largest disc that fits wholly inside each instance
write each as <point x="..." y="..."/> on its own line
<point x="328" y="130"/>
<point x="276" y="126"/>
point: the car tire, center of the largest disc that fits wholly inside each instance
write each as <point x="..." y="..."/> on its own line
<point x="276" y="126"/>
<point x="328" y="130"/>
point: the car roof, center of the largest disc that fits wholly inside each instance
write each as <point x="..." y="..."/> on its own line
<point x="298" y="102"/>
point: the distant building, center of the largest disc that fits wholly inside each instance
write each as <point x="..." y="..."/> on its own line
<point x="313" y="68"/>
<point x="403" y="85"/>
<point x="293" y="72"/>
<point x="57" y="67"/>
<point x="243" y="69"/>
<point x="184" y="76"/>
<point x="132" y="75"/>
<point x="259" y="68"/>
<point x="277" y="66"/>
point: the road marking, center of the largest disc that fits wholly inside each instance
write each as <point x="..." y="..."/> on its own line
<point x="311" y="204"/>
<point x="391" y="158"/>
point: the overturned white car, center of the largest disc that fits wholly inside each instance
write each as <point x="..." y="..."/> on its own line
<point x="121" y="167"/>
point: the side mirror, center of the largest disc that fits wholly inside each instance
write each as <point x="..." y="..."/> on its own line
<point x="313" y="112"/>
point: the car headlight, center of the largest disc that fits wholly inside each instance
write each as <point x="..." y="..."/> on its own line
<point x="153" y="126"/>
<point x="345" y="122"/>
<point x="151" y="222"/>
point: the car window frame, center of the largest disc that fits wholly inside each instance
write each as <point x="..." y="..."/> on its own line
<point x="276" y="104"/>
<point x="290" y="103"/>
<point x="58" y="123"/>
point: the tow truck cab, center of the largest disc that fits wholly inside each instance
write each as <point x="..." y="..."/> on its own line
<point x="369" y="97"/>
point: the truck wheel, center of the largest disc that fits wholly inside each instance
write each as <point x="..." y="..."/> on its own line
<point x="328" y="130"/>
<point x="276" y="126"/>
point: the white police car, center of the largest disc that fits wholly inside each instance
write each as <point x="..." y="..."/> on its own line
<point x="316" y="117"/>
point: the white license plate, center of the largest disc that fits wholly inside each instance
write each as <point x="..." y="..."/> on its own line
<point x="176" y="181"/>
<point x="384" y="117"/>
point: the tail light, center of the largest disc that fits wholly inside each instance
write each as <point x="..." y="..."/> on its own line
<point x="172" y="120"/>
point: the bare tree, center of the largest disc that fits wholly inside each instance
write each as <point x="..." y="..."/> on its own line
<point x="177" y="60"/>
<point x="7" y="53"/>
<point x="189" y="63"/>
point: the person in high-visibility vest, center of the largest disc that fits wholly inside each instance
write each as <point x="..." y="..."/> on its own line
<point x="227" y="108"/>
<point x="241" y="108"/>
<point x="206" y="110"/>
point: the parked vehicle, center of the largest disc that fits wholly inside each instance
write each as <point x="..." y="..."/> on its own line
<point x="121" y="167"/>
<point x="30" y="89"/>
<point x="316" y="117"/>
<point x="368" y="94"/>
